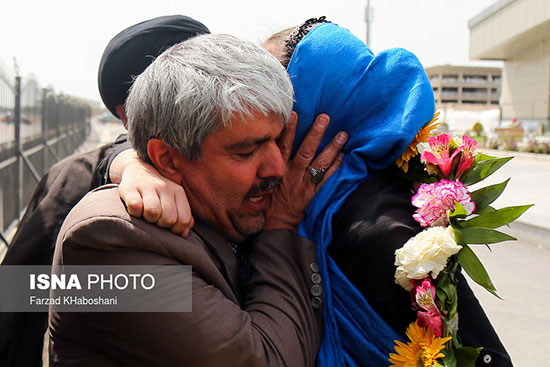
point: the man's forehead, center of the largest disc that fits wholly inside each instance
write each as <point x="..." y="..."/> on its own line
<point x="251" y="131"/>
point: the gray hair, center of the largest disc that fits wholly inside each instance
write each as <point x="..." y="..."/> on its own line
<point x="195" y="87"/>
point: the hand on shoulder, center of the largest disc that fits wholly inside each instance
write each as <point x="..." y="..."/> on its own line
<point x="150" y="195"/>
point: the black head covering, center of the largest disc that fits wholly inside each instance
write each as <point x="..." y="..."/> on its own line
<point x="133" y="49"/>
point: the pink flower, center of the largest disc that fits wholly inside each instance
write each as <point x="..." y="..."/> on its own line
<point x="438" y="154"/>
<point x="469" y="147"/>
<point x="433" y="200"/>
<point x="425" y="299"/>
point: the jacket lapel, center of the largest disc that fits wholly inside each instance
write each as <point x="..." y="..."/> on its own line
<point x="222" y="251"/>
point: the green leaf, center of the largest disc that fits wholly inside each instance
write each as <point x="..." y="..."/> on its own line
<point x="475" y="269"/>
<point x="487" y="209"/>
<point x="486" y="195"/>
<point x="449" y="360"/>
<point x="459" y="238"/>
<point x="459" y="212"/>
<point x="482" y="157"/>
<point x="456" y="342"/>
<point x="449" y="290"/>
<point x="446" y="293"/>
<point x="442" y="297"/>
<point x="479" y="236"/>
<point x="467" y="356"/>
<point x="497" y="218"/>
<point x="483" y="170"/>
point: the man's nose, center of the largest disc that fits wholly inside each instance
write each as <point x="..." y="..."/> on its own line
<point x="273" y="164"/>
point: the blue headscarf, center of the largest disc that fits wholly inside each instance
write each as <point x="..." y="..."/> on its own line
<point x="382" y="102"/>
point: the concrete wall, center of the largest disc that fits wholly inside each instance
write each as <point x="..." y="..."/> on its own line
<point x="518" y="32"/>
<point x="507" y="26"/>
<point x="526" y="84"/>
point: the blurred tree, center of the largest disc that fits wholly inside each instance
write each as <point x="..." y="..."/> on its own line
<point x="477" y="129"/>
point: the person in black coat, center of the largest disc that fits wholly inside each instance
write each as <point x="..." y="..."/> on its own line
<point x="65" y="183"/>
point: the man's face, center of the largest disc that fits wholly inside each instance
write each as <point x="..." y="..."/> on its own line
<point x="230" y="186"/>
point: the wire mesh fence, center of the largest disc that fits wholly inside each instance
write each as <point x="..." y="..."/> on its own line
<point x="7" y="105"/>
<point x="37" y="129"/>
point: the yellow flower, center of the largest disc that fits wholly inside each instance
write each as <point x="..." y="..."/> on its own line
<point x="423" y="350"/>
<point x="421" y="137"/>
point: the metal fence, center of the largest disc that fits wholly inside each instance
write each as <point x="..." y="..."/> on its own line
<point x="37" y="129"/>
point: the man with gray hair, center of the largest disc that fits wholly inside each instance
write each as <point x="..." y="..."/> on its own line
<point x="212" y="114"/>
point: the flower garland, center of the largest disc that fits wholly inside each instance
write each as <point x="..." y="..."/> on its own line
<point x="454" y="218"/>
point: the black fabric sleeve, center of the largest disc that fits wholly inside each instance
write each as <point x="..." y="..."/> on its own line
<point x="375" y="220"/>
<point x="101" y="173"/>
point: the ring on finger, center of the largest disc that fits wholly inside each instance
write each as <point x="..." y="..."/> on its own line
<point x="317" y="174"/>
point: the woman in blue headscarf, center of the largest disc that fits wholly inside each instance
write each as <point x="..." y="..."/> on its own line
<point x="382" y="102"/>
<point x="363" y="213"/>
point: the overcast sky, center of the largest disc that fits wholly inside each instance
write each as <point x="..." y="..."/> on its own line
<point x="61" y="41"/>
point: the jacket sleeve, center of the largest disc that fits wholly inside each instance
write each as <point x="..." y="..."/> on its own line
<point x="277" y="327"/>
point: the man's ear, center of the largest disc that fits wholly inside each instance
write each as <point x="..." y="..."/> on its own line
<point x="166" y="160"/>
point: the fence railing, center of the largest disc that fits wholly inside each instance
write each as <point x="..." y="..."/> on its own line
<point x="37" y="129"/>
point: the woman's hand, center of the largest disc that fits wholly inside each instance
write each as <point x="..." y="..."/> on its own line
<point x="303" y="177"/>
<point x="149" y="194"/>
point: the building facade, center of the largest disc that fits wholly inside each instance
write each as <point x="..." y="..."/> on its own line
<point x="465" y="85"/>
<point x="518" y="32"/>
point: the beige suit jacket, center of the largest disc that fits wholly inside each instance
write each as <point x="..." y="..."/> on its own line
<point x="276" y="326"/>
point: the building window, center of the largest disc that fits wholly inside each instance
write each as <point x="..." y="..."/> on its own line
<point x="497" y="79"/>
<point x="475" y="79"/>
<point x="449" y="92"/>
<point x="450" y="78"/>
<point x="474" y="93"/>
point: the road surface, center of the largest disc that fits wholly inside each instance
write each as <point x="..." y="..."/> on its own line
<point x="519" y="271"/>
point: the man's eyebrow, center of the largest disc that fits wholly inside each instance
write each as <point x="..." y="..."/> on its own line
<point x="247" y="143"/>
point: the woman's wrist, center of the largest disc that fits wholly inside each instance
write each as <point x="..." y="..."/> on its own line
<point x="120" y="162"/>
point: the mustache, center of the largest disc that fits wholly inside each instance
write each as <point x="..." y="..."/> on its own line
<point x="265" y="185"/>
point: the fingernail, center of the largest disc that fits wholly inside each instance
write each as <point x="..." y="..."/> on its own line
<point x="341" y="138"/>
<point x="322" y="121"/>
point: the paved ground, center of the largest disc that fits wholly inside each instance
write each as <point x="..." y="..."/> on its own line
<point x="519" y="271"/>
<point x="519" y="268"/>
<point x="530" y="184"/>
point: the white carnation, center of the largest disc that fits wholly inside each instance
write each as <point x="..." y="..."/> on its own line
<point x="426" y="252"/>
